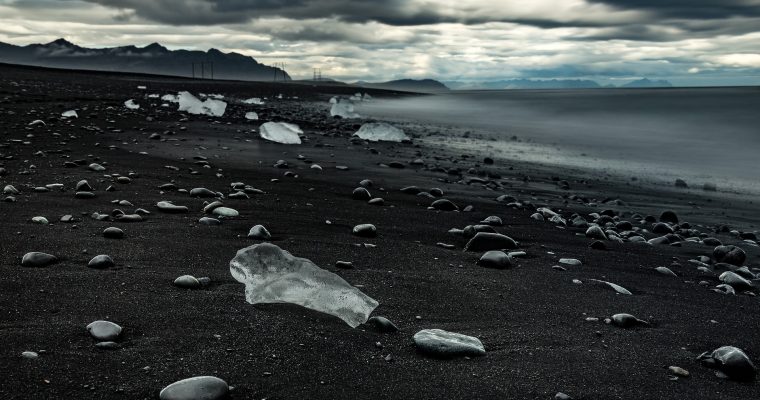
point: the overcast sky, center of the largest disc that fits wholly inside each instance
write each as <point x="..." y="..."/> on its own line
<point x="689" y="42"/>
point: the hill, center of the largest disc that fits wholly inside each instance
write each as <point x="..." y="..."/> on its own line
<point x="408" y="85"/>
<point x="151" y="59"/>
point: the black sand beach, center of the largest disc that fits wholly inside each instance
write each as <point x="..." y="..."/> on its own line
<point x="532" y="319"/>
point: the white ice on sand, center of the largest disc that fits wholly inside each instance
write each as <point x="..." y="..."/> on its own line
<point x="130" y="104"/>
<point x="380" y="131"/>
<point x="273" y="275"/>
<point x="343" y="109"/>
<point x="280" y="132"/>
<point x="251" y="116"/>
<point x="191" y="104"/>
<point x="254" y="100"/>
<point x="69" y="114"/>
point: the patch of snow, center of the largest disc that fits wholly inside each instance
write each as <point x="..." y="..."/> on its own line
<point x="273" y="275"/>
<point x="130" y="104"/>
<point x="251" y="116"/>
<point x="380" y="131"/>
<point x="191" y="104"/>
<point x="280" y="132"/>
<point x="69" y="114"/>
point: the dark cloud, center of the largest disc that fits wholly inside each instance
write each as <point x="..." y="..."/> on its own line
<point x="390" y="12"/>
<point x="690" y="9"/>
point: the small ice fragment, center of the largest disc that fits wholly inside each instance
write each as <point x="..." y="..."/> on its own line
<point x="280" y="132"/>
<point x="130" y="104"/>
<point x="191" y="104"/>
<point x="141" y="87"/>
<point x="170" y="98"/>
<point x="380" y="131"/>
<point x="69" y="114"/>
<point x="343" y="109"/>
<point x="254" y="100"/>
<point x="251" y="116"/>
<point x="273" y="275"/>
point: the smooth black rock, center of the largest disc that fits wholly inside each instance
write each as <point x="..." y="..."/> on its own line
<point x="730" y="254"/>
<point x="444" y="205"/>
<point x="113" y="233"/>
<point x="495" y="259"/>
<point x="485" y="241"/>
<point x="100" y="262"/>
<point x="361" y="193"/>
<point x="38" y="259"/>
<point x="365" y="230"/>
<point x="732" y="361"/>
<point x="669" y="217"/>
<point x="382" y="324"/>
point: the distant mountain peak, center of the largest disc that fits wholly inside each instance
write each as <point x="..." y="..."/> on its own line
<point x="155" y="47"/>
<point x="648" y="83"/>
<point x="61" y="42"/>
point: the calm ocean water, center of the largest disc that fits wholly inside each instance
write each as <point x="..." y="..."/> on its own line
<point x="698" y="134"/>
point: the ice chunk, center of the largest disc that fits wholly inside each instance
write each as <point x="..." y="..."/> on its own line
<point x="343" y="109"/>
<point x="130" y="104"/>
<point x="380" y="131"/>
<point x="272" y="275"/>
<point x="251" y="115"/>
<point x="188" y="102"/>
<point x="141" y="87"/>
<point x="254" y="100"/>
<point x="333" y="100"/>
<point x="170" y="98"/>
<point x="367" y="97"/>
<point x="69" y="114"/>
<point x="153" y="96"/>
<point x="280" y="132"/>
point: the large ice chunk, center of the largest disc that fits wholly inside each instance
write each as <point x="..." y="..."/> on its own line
<point x="380" y="131"/>
<point x="343" y="109"/>
<point x="188" y="102"/>
<point x="280" y="132"/>
<point x="272" y="275"/>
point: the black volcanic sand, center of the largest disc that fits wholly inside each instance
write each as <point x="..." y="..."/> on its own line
<point x="530" y="318"/>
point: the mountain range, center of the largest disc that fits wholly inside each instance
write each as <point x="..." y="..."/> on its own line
<point x="151" y="59"/>
<point x="550" y="84"/>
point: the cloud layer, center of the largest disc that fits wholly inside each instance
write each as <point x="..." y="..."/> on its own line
<point x="687" y="41"/>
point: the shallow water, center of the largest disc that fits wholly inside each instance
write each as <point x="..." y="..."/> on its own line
<point x="698" y="134"/>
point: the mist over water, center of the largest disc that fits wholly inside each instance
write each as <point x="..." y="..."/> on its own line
<point x="698" y="134"/>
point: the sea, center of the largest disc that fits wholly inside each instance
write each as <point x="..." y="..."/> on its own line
<point x="700" y="135"/>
